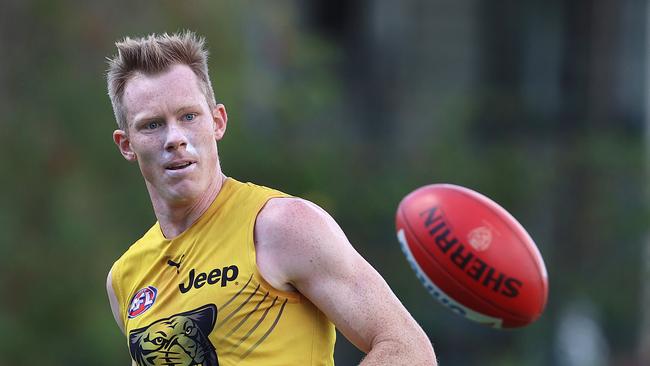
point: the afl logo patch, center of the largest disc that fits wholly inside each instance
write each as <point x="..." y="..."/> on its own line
<point x="142" y="301"/>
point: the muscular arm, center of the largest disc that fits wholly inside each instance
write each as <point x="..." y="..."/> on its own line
<point x="300" y="246"/>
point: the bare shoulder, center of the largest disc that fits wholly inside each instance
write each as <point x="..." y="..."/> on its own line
<point x="292" y="235"/>
<point x="283" y="219"/>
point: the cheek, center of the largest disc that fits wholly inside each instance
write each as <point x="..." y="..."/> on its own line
<point x="146" y="147"/>
<point x="147" y="163"/>
<point x="192" y="148"/>
<point x="147" y="154"/>
<point x="205" y="144"/>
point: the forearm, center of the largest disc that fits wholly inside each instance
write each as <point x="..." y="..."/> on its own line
<point x="393" y="353"/>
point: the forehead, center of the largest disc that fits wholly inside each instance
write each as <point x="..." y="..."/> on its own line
<point x="155" y="93"/>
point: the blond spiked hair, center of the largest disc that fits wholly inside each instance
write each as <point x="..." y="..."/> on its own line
<point x="151" y="55"/>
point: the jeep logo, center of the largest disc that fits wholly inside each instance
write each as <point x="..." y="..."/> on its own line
<point x="223" y="275"/>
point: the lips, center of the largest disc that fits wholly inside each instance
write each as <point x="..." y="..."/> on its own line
<point x="179" y="164"/>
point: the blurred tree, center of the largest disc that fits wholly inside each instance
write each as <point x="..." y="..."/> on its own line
<point x="351" y="104"/>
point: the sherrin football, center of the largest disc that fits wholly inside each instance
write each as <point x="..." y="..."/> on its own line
<point x="472" y="255"/>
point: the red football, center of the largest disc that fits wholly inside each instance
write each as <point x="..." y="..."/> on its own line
<point x="472" y="255"/>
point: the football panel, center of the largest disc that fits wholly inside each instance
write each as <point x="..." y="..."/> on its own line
<point x="499" y="268"/>
<point x="448" y="290"/>
<point x="535" y="274"/>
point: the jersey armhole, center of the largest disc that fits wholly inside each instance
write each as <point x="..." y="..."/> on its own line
<point x="292" y="297"/>
<point x="117" y="290"/>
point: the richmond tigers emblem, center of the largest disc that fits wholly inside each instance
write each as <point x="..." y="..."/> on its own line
<point x="180" y="340"/>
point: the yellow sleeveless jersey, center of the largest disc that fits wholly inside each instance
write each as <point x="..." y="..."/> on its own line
<point x="198" y="299"/>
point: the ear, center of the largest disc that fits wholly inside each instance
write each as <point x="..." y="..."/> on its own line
<point x="220" y="118"/>
<point x="124" y="144"/>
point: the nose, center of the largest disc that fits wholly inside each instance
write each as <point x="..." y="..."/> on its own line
<point x="175" y="138"/>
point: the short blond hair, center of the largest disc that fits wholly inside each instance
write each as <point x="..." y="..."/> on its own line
<point x="154" y="54"/>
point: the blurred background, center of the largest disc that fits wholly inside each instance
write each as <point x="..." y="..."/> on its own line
<point x="540" y="105"/>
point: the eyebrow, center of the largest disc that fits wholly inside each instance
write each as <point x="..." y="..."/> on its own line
<point x="145" y="119"/>
<point x="191" y="107"/>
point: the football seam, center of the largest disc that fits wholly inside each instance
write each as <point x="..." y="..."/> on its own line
<point x="453" y="278"/>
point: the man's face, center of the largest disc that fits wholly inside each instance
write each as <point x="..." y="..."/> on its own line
<point x="172" y="134"/>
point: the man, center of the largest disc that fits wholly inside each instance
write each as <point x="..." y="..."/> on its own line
<point x="231" y="273"/>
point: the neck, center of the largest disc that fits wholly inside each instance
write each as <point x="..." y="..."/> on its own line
<point x="176" y="217"/>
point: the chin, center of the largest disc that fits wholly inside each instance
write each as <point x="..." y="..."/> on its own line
<point x="184" y="194"/>
<point x="178" y="191"/>
<point x="181" y="192"/>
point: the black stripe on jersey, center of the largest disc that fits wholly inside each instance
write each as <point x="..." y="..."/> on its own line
<point x="234" y="329"/>
<point x="245" y="337"/>
<point x="236" y="295"/>
<point x="232" y="313"/>
<point x="268" y="332"/>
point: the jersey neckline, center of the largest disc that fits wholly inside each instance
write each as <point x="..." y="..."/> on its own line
<point x="226" y="187"/>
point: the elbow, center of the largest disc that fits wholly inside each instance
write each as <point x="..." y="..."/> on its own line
<point x="433" y="359"/>
<point x="423" y="354"/>
<point x="420" y="351"/>
<point x="425" y="349"/>
<point x="428" y="354"/>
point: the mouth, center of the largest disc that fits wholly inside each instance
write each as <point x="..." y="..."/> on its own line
<point x="179" y="165"/>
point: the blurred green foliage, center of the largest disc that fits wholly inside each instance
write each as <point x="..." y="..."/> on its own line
<point x="353" y="125"/>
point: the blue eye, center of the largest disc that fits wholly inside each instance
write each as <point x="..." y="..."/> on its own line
<point x="189" y="116"/>
<point x="152" y="125"/>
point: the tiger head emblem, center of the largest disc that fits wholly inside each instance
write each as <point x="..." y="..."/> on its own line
<point x="180" y="340"/>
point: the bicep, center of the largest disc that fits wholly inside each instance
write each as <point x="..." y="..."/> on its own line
<point x="315" y="256"/>
<point x="356" y="298"/>
<point x="112" y="299"/>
